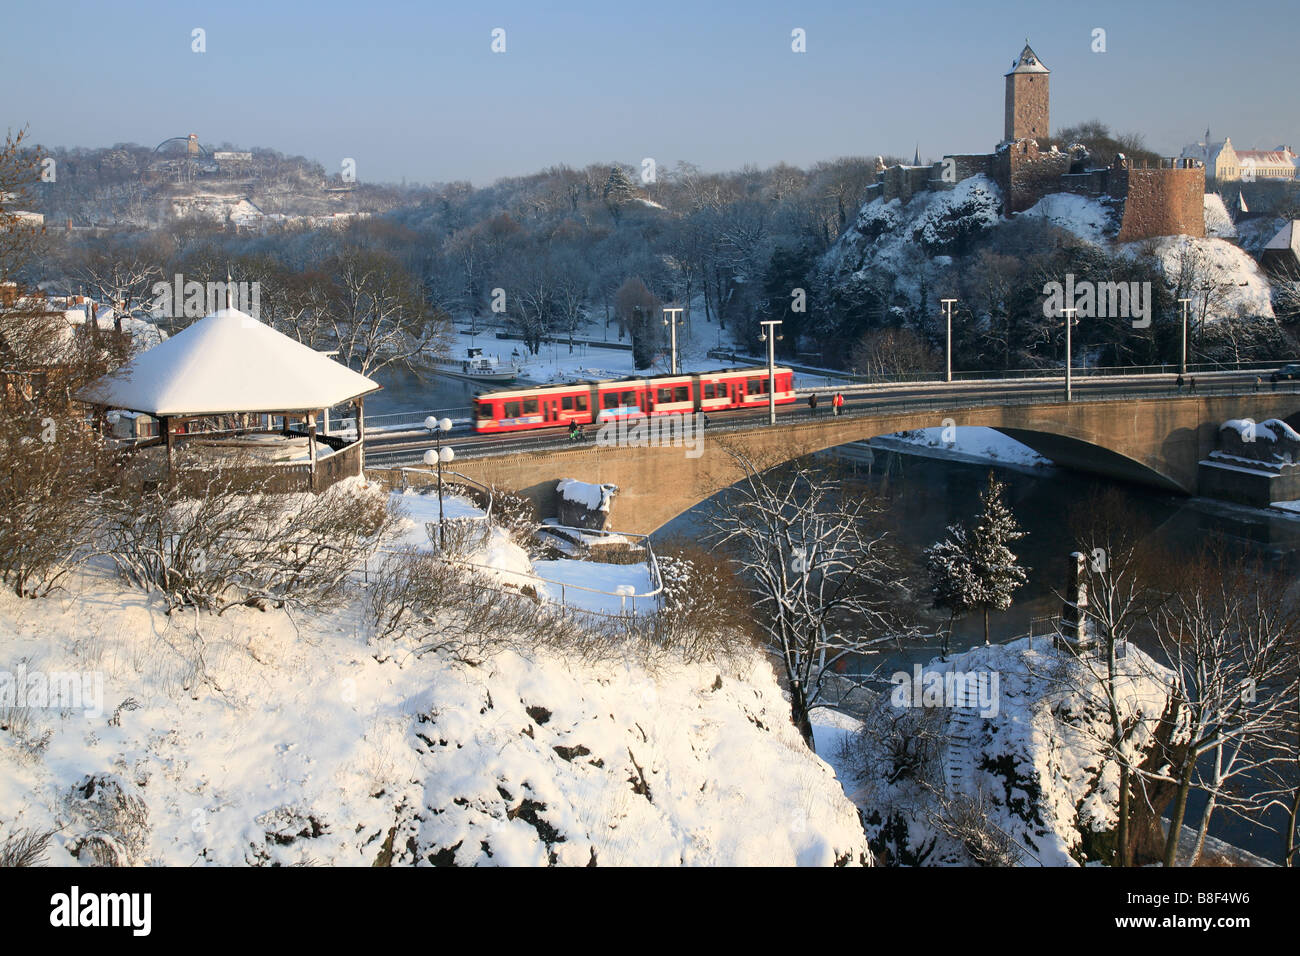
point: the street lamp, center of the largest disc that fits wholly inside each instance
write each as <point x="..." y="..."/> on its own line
<point x="1182" y="364"/>
<point x="769" y="336"/>
<point x="1069" y="322"/>
<point x="672" y="317"/>
<point x="439" y="456"/>
<point x="947" y="307"/>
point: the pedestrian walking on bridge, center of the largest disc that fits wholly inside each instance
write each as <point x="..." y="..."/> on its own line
<point x="812" y="403"/>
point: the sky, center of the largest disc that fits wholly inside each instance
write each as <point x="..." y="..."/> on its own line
<point x="414" y="91"/>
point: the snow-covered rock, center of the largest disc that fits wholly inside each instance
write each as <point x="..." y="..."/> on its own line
<point x="1034" y="753"/>
<point x="295" y="741"/>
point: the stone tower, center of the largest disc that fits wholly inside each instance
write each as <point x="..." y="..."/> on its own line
<point x="1026" y="108"/>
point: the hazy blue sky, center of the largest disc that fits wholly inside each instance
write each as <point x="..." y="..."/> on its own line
<point x="413" y="89"/>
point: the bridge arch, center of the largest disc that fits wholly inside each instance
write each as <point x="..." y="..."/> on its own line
<point x="1155" y="441"/>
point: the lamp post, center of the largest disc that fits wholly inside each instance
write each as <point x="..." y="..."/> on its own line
<point x="1069" y="322"/>
<point x="769" y="336"/>
<point x="947" y="307"/>
<point x="671" y="319"/>
<point x="1182" y="363"/>
<point x="439" y="456"/>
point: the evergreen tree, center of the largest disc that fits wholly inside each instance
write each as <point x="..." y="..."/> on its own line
<point x="974" y="568"/>
<point x="619" y="191"/>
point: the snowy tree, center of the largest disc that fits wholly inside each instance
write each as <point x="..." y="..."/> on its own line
<point x="974" y="568"/>
<point x="618" y="192"/>
<point x="822" y="584"/>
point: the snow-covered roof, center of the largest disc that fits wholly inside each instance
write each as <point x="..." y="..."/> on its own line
<point x="228" y="362"/>
<point x="1288" y="237"/>
<point x="1028" y="62"/>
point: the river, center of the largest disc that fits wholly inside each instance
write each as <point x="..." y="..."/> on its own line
<point x="922" y="496"/>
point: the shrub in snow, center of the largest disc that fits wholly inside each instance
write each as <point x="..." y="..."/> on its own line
<point x="24" y="848"/>
<point x="111" y="820"/>
<point x="235" y="544"/>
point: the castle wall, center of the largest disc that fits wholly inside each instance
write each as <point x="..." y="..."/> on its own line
<point x="952" y="169"/>
<point x="1163" y="202"/>
<point x="1026" y="174"/>
<point x="903" y="182"/>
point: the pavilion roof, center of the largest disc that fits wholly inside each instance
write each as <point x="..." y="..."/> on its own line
<point x="228" y="362"/>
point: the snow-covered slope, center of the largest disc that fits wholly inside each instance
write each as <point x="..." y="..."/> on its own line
<point x="1241" y="288"/>
<point x="1032" y="762"/>
<point x="295" y="740"/>
<point x="1083" y="216"/>
<point x="912" y="240"/>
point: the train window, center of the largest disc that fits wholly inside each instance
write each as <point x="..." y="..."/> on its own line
<point x="629" y="399"/>
<point x="530" y="406"/>
<point x="484" y="411"/>
<point x="611" y="399"/>
<point x="512" y="410"/>
<point x="708" y="390"/>
<point x="566" y="403"/>
<point x="681" y="394"/>
<point x="665" y="396"/>
<point x="582" y="403"/>
<point x="755" y="386"/>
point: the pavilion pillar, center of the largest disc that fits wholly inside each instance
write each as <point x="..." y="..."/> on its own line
<point x="311" y="447"/>
<point x="361" y="436"/>
<point x="169" y="440"/>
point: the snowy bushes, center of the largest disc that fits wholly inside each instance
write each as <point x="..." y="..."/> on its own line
<point x="24" y="848"/>
<point x="48" y="472"/>
<point x="236" y="545"/>
<point x="420" y="597"/>
<point x="115" y="820"/>
<point x="705" y="615"/>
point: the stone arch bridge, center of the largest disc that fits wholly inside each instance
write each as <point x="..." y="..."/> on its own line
<point x="1154" y="440"/>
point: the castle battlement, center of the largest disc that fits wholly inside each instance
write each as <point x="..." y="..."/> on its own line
<point x="1155" y="200"/>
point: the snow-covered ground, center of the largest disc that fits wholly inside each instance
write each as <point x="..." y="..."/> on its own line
<point x="972" y="443"/>
<point x="1083" y="216"/>
<point x="586" y="585"/>
<point x="1243" y="290"/>
<point x="264" y="737"/>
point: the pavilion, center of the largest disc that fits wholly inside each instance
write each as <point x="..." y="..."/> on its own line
<point x="221" y="384"/>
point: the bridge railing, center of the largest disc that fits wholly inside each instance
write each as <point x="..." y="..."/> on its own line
<point x="1044" y="372"/>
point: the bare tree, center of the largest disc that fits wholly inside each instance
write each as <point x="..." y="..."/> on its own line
<point x="820" y="579"/>
<point x="379" y="315"/>
<point x="1118" y="584"/>
<point x="1229" y="637"/>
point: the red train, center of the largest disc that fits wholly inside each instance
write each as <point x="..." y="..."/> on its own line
<point x="593" y="403"/>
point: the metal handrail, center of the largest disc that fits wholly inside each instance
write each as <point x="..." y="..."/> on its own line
<point x="487" y="515"/>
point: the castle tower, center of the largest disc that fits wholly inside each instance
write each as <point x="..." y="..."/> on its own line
<point x="1026" y="107"/>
